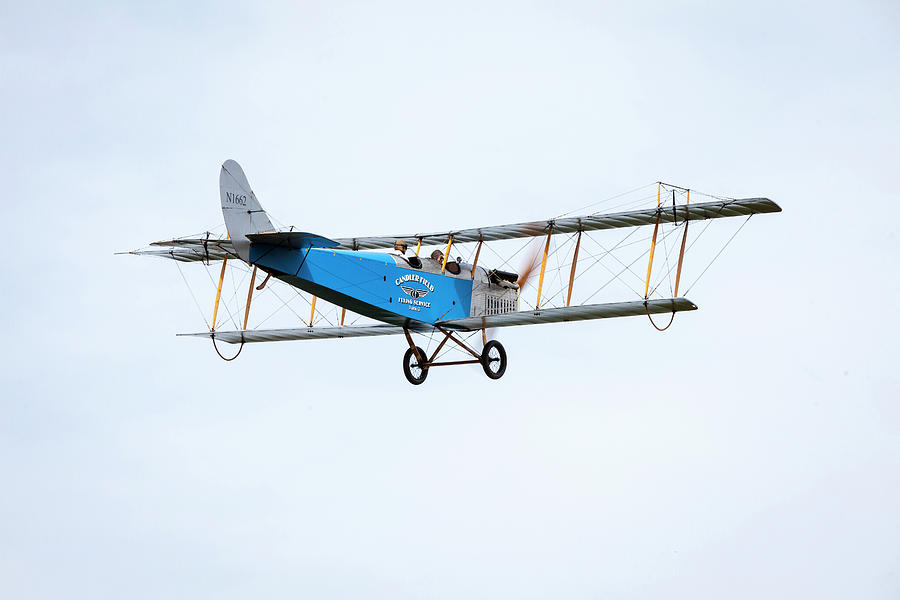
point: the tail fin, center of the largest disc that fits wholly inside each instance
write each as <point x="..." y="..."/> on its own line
<point x="242" y="211"/>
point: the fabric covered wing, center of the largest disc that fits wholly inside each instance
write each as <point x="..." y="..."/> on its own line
<point x="300" y="333"/>
<point x="572" y="313"/>
<point x="202" y="249"/>
<point x="634" y="218"/>
<point x="549" y="315"/>
<point x="190" y="249"/>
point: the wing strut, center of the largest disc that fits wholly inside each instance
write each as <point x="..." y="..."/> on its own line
<point x="680" y="254"/>
<point x="447" y="254"/>
<point x="572" y="273"/>
<point x="537" y="304"/>
<point x="683" y="240"/>
<point x="653" y="241"/>
<point x="218" y="293"/>
<point x="249" y="296"/>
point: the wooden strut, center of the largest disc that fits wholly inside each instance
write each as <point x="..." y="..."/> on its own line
<point x="409" y="340"/>
<point x="219" y="293"/>
<point x="426" y="362"/>
<point x="249" y="297"/>
<point x="460" y="342"/>
<point x="653" y="242"/>
<point x="683" y="240"/>
<point x="216" y="312"/>
<point x="343" y="314"/>
<point x="477" y="252"/>
<point x="312" y="311"/>
<point x="438" y="349"/>
<point x="572" y="273"/>
<point x="537" y="303"/>
<point x="678" y="272"/>
<point x="453" y="362"/>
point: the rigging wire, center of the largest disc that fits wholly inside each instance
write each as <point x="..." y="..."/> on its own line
<point x="690" y="287"/>
<point x="642" y="255"/>
<point x="637" y="189"/>
<point x="197" y="304"/>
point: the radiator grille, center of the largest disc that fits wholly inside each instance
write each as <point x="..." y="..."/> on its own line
<point x="494" y="305"/>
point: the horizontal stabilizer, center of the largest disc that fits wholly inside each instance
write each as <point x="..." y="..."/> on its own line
<point x="571" y="313"/>
<point x="292" y="239"/>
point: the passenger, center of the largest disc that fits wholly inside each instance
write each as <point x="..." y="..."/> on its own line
<point x="438" y="256"/>
<point x="399" y="248"/>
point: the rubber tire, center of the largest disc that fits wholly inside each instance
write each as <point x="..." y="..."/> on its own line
<point x="485" y="360"/>
<point x="408" y="358"/>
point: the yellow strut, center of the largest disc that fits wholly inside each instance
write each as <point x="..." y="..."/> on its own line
<point x="537" y="304"/>
<point x="447" y="253"/>
<point x="312" y="312"/>
<point x="653" y="242"/>
<point x="572" y="274"/>
<point x="249" y="297"/>
<point x="418" y="246"/>
<point x="219" y="293"/>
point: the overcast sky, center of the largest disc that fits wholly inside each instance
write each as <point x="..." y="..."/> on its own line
<point x="753" y="450"/>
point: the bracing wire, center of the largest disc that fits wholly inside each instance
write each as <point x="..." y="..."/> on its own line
<point x="690" y="287"/>
<point x="197" y="304"/>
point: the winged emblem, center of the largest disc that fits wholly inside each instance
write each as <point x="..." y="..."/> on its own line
<point x="414" y="293"/>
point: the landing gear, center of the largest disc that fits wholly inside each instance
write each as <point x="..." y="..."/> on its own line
<point x="415" y="371"/>
<point x="493" y="359"/>
<point x="416" y="363"/>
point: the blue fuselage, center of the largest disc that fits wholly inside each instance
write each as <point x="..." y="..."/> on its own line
<point x="369" y="283"/>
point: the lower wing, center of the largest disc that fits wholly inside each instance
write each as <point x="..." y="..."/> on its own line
<point x="548" y="315"/>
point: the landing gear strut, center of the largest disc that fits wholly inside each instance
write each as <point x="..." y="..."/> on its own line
<point x="416" y="363"/>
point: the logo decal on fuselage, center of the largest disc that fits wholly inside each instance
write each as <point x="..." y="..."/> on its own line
<point x="413" y="292"/>
<point x="422" y="289"/>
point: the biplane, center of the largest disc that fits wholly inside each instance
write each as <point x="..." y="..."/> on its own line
<point x="406" y="291"/>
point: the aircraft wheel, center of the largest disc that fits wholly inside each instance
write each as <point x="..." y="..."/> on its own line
<point x="493" y="359"/>
<point x="414" y="373"/>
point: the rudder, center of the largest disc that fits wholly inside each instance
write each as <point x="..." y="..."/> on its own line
<point x="242" y="211"/>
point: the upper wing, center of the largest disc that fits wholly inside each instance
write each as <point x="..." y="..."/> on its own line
<point x="571" y="313"/>
<point x="196" y="249"/>
<point x="632" y="218"/>
<point x="190" y="249"/>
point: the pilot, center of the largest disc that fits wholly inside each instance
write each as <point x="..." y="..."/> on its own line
<point x="399" y="248"/>
<point x="438" y="256"/>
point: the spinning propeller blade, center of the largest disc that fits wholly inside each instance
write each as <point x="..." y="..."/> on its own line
<point x="531" y="261"/>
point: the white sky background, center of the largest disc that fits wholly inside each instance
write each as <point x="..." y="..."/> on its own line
<point x="753" y="450"/>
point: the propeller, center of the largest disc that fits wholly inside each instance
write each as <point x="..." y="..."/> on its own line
<point x="530" y="263"/>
